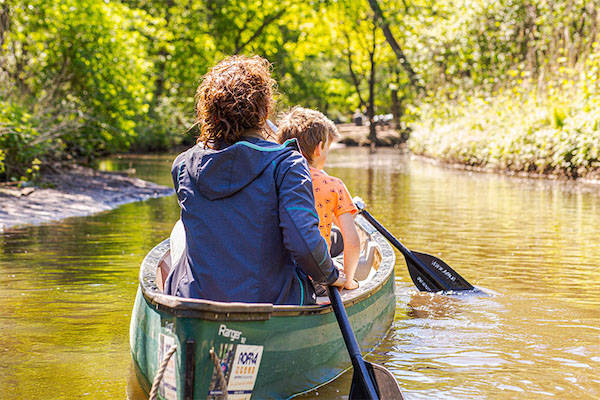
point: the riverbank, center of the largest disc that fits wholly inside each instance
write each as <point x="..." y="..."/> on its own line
<point x="70" y="192"/>
<point x="357" y="135"/>
<point x="552" y="131"/>
<point x="451" y="145"/>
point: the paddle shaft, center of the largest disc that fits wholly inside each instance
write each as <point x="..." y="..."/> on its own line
<point x="424" y="269"/>
<point x="351" y="344"/>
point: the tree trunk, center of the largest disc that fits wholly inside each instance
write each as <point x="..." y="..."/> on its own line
<point x="371" y="105"/>
<point x="395" y="46"/>
<point x="4" y="22"/>
<point x="159" y="82"/>
<point x="355" y="79"/>
<point x="396" y="109"/>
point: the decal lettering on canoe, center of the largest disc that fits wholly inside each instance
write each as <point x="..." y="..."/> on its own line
<point x="239" y="364"/>
<point x="232" y="334"/>
<point x="244" y="371"/>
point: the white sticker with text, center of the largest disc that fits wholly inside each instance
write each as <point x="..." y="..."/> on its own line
<point x="244" y="371"/>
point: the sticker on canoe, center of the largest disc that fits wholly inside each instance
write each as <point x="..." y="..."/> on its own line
<point x="168" y="385"/>
<point x="240" y="364"/>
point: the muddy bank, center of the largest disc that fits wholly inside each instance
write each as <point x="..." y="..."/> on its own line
<point x="70" y="192"/>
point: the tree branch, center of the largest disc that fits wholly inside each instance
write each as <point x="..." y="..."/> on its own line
<point x="268" y="20"/>
<point x="395" y="46"/>
<point x="352" y="73"/>
<point x="371" y="105"/>
<point x="4" y="21"/>
<point x="238" y="36"/>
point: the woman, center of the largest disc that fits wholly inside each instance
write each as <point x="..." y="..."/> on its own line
<point x="246" y="203"/>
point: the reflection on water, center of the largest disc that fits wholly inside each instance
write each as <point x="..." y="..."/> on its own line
<point x="68" y="288"/>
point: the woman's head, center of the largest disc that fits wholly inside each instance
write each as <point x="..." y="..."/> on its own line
<point x="234" y="99"/>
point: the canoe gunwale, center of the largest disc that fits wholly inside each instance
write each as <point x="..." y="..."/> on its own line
<point x="237" y="311"/>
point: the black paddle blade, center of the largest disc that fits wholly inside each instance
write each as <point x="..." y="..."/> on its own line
<point x="443" y="272"/>
<point x="385" y="384"/>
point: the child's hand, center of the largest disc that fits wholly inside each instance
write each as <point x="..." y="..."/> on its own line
<point x="351" y="285"/>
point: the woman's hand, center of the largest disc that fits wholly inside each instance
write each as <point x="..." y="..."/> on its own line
<point x="341" y="280"/>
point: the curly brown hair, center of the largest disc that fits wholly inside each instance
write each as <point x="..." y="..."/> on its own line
<point x="309" y="127"/>
<point x="235" y="96"/>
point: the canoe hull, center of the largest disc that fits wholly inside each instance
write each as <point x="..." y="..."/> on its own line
<point x="271" y="354"/>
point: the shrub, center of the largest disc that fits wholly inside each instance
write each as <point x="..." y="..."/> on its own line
<point x="19" y="153"/>
<point x="546" y="129"/>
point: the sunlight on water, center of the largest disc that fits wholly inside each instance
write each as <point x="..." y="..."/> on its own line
<point x="68" y="288"/>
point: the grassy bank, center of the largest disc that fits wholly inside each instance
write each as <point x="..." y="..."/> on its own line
<point x="533" y="128"/>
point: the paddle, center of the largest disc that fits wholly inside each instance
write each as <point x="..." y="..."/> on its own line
<point x="428" y="273"/>
<point x="369" y="381"/>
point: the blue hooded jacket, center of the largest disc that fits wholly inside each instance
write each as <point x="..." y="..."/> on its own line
<point x="251" y="226"/>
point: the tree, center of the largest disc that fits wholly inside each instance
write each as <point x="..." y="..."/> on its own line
<point x="394" y="44"/>
<point x="79" y="70"/>
<point x="363" y="51"/>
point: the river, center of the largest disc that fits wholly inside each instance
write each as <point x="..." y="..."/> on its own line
<point x="67" y="288"/>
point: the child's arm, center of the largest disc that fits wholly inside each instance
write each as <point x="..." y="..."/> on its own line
<point x="351" y="247"/>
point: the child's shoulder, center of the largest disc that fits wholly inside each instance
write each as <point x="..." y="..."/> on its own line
<point x="324" y="178"/>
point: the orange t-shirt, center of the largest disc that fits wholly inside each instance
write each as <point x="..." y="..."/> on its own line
<point x="332" y="199"/>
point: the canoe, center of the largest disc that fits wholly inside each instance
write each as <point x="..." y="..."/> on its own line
<point x="256" y="351"/>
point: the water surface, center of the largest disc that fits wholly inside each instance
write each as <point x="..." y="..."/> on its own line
<point x="68" y="288"/>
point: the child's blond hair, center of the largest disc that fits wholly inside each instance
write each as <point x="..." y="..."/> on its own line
<point x="309" y="127"/>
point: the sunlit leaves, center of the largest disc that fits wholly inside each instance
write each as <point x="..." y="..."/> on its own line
<point x="81" y="68"/>
<point x="96" y="75"/>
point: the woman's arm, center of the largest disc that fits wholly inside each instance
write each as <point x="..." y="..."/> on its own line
<point x="299" y="222"/>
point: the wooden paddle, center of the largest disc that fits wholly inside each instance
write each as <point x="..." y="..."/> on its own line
<point x="428" y="273"/>
<point x="369" y="381"/>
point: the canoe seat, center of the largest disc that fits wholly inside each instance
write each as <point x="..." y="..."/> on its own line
<point x="172" y="256"/>
<point x="366" y="263"/>
<point x="162" y="271"/>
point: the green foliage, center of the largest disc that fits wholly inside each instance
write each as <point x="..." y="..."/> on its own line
<point x="509" y="83"/>
<point x="19" y="155"/>
<point x="551" y="130"/>
<point x="78" y="68"/>
<point x="165" y="130"/>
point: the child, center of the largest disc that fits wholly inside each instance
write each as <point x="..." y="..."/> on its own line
<point x="333" y="202"/>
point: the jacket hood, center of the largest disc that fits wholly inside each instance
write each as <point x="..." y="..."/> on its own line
<point x="221" y="173"/>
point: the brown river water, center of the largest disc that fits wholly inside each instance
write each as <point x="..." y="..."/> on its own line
<point x="67" y="288"/>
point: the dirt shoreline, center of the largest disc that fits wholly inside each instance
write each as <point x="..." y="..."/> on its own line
<point x="352" y="135"/>
<point x="76" y="191"/>
<point x="80" y="191"/>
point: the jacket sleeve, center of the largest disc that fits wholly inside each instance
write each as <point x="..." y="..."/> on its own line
<point x="177" y="169"/>
<point x="299" y="221"/>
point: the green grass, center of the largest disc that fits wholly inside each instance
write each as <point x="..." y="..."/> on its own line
<point x="549" y="129"/>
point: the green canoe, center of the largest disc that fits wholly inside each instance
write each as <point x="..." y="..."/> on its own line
<point x="262" y="350"/>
